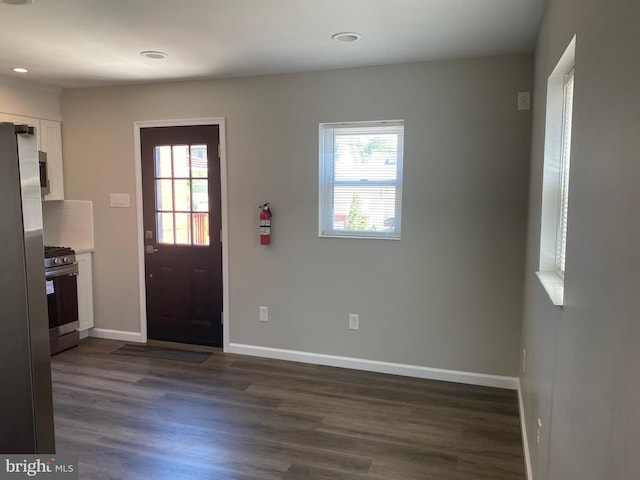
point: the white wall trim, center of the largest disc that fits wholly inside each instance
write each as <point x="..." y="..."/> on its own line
<point x="220" y="121"/>
<point x="377" y="366"/>
<point x="116" y="335"/>
<point x="525" y="439"/>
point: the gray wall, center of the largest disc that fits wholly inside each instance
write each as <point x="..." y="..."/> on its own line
<point x="448" y="295"/>
<point x="581" y="377"/>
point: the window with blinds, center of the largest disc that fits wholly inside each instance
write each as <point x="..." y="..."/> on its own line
<point x="361" y="179"/>
<point x="563" y="202"/>
<point x="554" y="207"/>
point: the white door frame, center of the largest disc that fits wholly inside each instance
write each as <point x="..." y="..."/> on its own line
<point x="220" y="121"/>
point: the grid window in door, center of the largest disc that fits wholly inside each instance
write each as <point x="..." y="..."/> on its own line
<point x="181" y="181"/>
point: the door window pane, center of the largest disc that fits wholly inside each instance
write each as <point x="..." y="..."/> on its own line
<point x="163" y="161"/>
<point x="201" y="228"/>
<point x="181" y="164"/>
<point x="182" y="195"/>
<point x="199" y="165"/>
<point x="200" y="189"/>
<point x="165" y="228"/>
<point x="183" y="228"/>
<point x="164" y="195"/>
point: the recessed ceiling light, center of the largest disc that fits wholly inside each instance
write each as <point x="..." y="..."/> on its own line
<point x="16" y="2"/>
<point x="346" y="37"/>
<point x="153" y="54"/>
<point x="20" y="70"/>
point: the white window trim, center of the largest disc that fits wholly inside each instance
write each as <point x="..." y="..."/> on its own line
<point x="327" y="183"/>
<point x="551" y="277"/>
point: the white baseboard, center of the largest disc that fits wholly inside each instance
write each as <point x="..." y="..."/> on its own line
<point x="116" y="335"/>
<point x="377" y="366"/>
<point x="525" y="439"/>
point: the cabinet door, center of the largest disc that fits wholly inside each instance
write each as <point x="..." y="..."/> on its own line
<point x="51" y="143"/>
<point x="85" y="291"/>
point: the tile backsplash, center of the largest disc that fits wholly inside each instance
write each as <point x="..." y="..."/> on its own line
<point x="68" y="223"/>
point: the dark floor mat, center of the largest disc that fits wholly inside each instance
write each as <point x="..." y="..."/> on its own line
<point x="163" y="353"/>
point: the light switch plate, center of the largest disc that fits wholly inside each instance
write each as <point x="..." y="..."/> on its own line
<point x="120" y="200"/>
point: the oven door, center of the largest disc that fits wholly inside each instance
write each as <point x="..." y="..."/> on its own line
<point x="62" y="301"/>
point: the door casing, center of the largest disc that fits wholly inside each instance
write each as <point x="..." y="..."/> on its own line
<point x="220" y="121"/>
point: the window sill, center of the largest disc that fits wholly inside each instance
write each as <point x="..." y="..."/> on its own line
<point x="554" y="286"/>
<point x="359" y="236"/>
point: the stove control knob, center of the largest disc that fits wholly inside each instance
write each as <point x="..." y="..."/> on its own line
<point x="56" y="261"/>
<point x="65" y="259"/>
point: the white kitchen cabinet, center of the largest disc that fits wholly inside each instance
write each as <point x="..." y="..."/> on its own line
<point x="49" y="136"/>
<point x="85" y="292"/>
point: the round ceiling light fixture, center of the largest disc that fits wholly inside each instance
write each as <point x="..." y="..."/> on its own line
<point x="20" y="70"/>
<point x="153" y="54"/>
<point x="346" y="37"/>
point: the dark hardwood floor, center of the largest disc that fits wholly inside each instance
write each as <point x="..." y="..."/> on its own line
<point x="235" y="417"/>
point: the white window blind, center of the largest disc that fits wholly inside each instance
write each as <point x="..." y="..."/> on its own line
<point x="563" y="203"/>
<point x="361" y="179"/>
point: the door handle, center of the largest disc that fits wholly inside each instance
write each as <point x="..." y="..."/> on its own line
<point x="150" y="249"/>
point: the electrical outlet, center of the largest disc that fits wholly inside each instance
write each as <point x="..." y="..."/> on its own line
<point x="524" y="100"/>
<point x="524" y="360"/>
<point x="264" y="314"/>
<point x="354" y="321"/>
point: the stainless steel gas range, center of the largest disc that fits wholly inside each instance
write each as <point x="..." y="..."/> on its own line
<point x="61" y="270"/>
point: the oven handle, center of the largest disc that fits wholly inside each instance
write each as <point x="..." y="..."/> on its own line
<point x="60" y="271"/>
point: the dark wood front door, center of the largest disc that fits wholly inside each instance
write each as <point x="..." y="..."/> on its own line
<point x="182" y="223"/>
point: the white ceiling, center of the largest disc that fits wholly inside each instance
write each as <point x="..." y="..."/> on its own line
<point x="76" y="43"/>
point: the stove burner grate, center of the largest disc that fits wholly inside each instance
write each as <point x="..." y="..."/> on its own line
<point x="50" y="252"/>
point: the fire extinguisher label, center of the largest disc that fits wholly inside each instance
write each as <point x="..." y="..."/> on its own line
<point x="265" y="230"/>
<point x="265" y="223"/>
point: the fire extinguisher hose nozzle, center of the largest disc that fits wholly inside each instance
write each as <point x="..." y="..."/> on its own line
<point x="266" y="207"/>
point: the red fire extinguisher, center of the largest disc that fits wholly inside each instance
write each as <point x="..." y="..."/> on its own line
<point x="265" y="224"/>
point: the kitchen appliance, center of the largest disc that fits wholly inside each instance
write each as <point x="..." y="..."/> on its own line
<point x="61" y="270"/>
<point x="26" y="407"/>
<point x="44" y="174"/>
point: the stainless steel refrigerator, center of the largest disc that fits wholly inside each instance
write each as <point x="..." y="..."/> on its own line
<point x="26" y="407"/>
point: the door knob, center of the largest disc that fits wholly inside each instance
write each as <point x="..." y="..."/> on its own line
<point x="150" y="249"/>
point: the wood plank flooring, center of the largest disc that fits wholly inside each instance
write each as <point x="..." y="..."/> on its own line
<point x="243" y="418"/>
